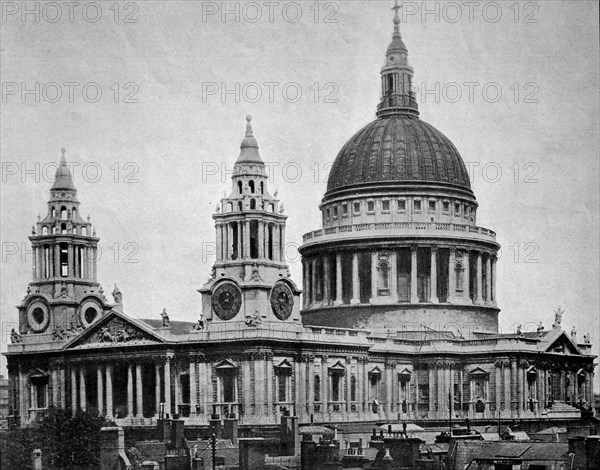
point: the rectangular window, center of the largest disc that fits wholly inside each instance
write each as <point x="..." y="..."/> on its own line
<point x="446" y="207"/>
<point x="457" y="208"/>
<point x="385" y="206"/>
<point x="466" y="211"/>
<point x="282" y="388"/>
<point x="417" y="205"/>
<point x="327" y="214"/>
<point x="370" y="206"/>
<point x="335" y="212"/>
<point x="401" y="205"/>
<point x="357" y="207"/>
<point x="345" y="210"/>
<point x="432" y="205"/>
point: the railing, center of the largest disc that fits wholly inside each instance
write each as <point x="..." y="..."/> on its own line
<point x="388" y="226"/>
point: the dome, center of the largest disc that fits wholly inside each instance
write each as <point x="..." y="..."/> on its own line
<point x="398" y="149"/>
<point x="63" y="178"/>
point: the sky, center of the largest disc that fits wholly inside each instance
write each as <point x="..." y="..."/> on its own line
<point x="149" y="99"/>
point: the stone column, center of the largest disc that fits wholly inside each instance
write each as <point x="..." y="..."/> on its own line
<point x="193" y="387"/>
<point x="467" y="280"/>
<point x="95" y="263"/>
<point x="139" y="405"/>
<point x="452" y="276"/>
<point x="433" y="297"/>
<point x="389" y="395"/>
<point x="63" y="390"/>
<point x="269" y="383"/>
<point x="261" y="240"/>
<point x="282" y="241"/>
<point x="276" y="247"/>
<point x="441" y="390"/>
<point x="76" y="272"/>
<point x="373" y="275"/>
<point x="57" y="261"/>
<point x="82" y="392"/>
<point x="109" y="391"/>
<point x="494" y="274"/>
<point x="507" y="388"/>
<point x="176" y="387"/>
<point x="432" y="394"/>
<point x="305" y="274"/>
<point x="513" y="382"/>
<point x="157" y="389"/>
<point x="218" y="241"/>
<point x="70" y="261"/>
<point x="414" y="294"/>
<point x="246" y="241"/>
<point x="478" y="294"/>
<point x="326" y="279"/>
<point x="130" y="390"/>
<point x="355" y="280"/>
<point x="313" y="281"/>
<point x="393" y="277"/>
<point x="498" y="385"/>
<point x="520" y="398"/>
<point x="229" y="241"/>
<point x="73" y="390"/>
<point x="100" y="388"/>
<point x="338" y="279"/>
<point x="311" y="384"/>
<point x="488" y="281"/>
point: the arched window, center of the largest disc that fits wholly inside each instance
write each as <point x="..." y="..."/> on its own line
<point x="252" y="204"/>
<point x="240" y="187"/>
<point x="74" y="211"/>
<point x="251" y="184"/>
<point x="54" y="229"/>
<point x="44" y="230"/>
<point x="353" y="388"/>
<point x="63" y="212"/>
<point x="317" y="388"/>
<point x="63" y="228"/>
<point x="384" y="278"/>
<point x="74" y="230"/>
<point x="262" y="187"/>
<point x="240" y="206"/>
<point x="53" y="212"/>
<point x="84" y="231"/>
<point x="229" y="207"/>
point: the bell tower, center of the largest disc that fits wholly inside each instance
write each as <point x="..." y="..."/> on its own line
<point x="250" y="274"/>
<point x="64" y="295"/>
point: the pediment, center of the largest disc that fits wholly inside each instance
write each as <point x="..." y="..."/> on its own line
<point x="478" y="372"/>
<point x="563" y="345"/>
<point x="226" y="364"/>
<point x="284" y="365"/>
<point x="115" y="329"/>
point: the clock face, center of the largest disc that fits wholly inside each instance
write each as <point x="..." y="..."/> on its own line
<point x="38" y="316"/>
<point x="226" y="301"/>
<point x="282" y="301"/>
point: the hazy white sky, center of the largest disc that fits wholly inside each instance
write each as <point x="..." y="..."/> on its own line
<point x="162" y="127"/>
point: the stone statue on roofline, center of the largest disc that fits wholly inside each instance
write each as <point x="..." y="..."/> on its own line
<point x="117" y="295"/>
<point x="165" y="318"/>
<point x="540" y="328"/>
<point x="558" y="313"/>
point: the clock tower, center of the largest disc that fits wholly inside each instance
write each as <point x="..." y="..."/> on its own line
<point x="250" y="283"/>
<point x="64" y="296"/>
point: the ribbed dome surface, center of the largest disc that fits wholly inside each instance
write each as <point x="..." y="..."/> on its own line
<point x="398" y="148"/>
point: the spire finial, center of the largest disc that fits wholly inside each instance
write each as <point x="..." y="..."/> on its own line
<point x="249" y="126"/>
<point x="63" y="159"/>
<point x="396" y="7"/>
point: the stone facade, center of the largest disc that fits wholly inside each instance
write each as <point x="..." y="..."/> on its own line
<point x="398" y="318"/>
